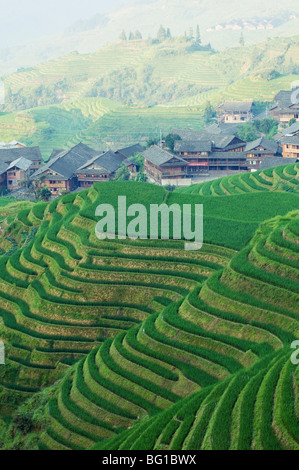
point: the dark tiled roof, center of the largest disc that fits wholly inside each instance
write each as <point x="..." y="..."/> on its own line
<point x="193" y="146"/>
<point x="293" y="140"/>
<point x="131" y="151"/>
<point x="221" y="141"/>
<point x="223" y="128"/>
<point x="293" y="129"/>
<point x="55" y="152"/>
<point x="30" y="153"/>
<point x="67" y="162"/>
<point x="21" y="163"/>
<point x="284" y="110"/>
<point x="110" y="161"/>
<point x="283" y="98"/>
<point x="206" y="141"/>
<point x="264" y="143"/>
<point x="3" y="167"/>
<point x="187" y="134"/>
<point x="271" y="162"/>
<point x="244" y="106"/>
<point x="158" y="156"/>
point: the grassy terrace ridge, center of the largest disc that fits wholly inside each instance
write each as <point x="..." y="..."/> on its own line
<point x="131" y="328"/>
<point x="63" y="292"/>
<point x="253" y="409"/>
<point x="280" y="179"/>
<point x="212" y="371"/>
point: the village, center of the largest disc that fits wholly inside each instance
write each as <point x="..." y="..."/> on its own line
<point x="196" y="156"/>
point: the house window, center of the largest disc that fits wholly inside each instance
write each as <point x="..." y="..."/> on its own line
<point x="10" y="182"/>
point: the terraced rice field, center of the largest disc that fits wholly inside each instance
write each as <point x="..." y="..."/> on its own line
<point x="62" y="294"/>
<point x="150" y="346"/>
<point x="210" y="372"/>
<point x="282" y="178"/>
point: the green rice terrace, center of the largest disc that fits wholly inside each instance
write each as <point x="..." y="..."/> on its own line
<point x="121" y="344"/>
<point x="281" y="178"/>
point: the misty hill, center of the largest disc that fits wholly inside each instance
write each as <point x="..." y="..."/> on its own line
<point x="220" y="23"/>
<point x="139" y="72"/>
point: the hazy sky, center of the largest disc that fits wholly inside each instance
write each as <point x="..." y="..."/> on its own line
<point x="23" y="20"/>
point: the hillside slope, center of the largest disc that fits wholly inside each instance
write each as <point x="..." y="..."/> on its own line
<point x="226" y="325"/>
<point x="220" y="23"/>
<point x="158" y="323"/>
<point x="282" y="178"/>
<point x="130" y="90"/>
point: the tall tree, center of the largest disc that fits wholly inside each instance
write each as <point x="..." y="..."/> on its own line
<point x="138" y="34"/>
<point x="242" y="40"/>
<point x="198" y="37"/>
<point x="123" y="36"/>
<point x="209" y="113"/>
<point x="171" y="139"/>
<point x="191" y="36"/>
<point x="168" y="33"/>
<point x="131" y="36"/>
<point x="161" y="36"/>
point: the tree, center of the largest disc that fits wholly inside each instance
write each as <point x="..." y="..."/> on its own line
<point x="141" y="177"/>
<point x="138" y="35"/>
<point x="122" y="174"/>
<point x="123" y="36"/>
<point x="209" y="113"/>
<point x="191" y="36"/>
<point x="198" y="37"/>
<point x="25" y="183"/>
<point x="168" y="33"/>
<point x="151" y="141"/>
<point x="242" y="40"/>
<point x="139" y="160"/>
<point x="131" y="36"/>
<point x="161" y="36"/>
<point x="170" y="140"/>
<point x="37" y="185"/>
<point x="267" y="126"/>
<point x="247" y="132"/>
<point x="170" y="187"/>
<point x="45" y="193"/>
<point x="292" y="121"/>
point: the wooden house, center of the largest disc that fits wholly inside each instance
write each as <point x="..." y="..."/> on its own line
<point x="162" y="166"/>
<point x="290" y="147"/>
<point x="129" y="153"/>
<point x="16" y="172"/>
<point x="235" y="111"/>
<point x="257" y="150"/>
<point x="291" y="131"/>
<point x="59" y="173"/>
<point x="99" y="168"/>
<point x="33" y="154"/>
<point x="285" y="108"/>
<point x="195" y="153"/>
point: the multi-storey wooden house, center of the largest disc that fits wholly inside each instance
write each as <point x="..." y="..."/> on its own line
<point x="235" y="111"/>
<point x="257" y="150"/>
<point x="286" y="107"/>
